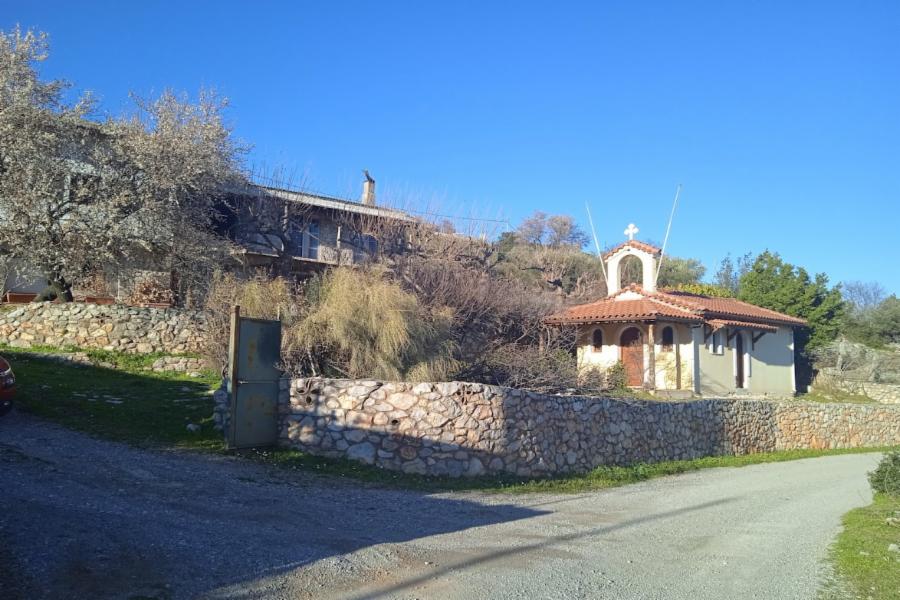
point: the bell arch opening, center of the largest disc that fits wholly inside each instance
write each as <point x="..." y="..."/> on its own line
<point x="631" y="270"/>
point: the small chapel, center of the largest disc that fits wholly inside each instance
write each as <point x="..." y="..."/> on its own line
<point x="678" y="342"/>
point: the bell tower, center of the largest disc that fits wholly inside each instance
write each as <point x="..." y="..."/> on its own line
<point x="646" y="253"/>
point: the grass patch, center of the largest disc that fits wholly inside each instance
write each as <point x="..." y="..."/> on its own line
<point x="599" y="478"/>
<point x="864" y="568"/>
<point x="127" y="404"/>
<point x="120" y="360"/>
<point x="836" y="396"/>
<point x="143" y="408"/>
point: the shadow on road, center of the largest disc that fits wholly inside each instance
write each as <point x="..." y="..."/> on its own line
<point x="92" y="518"/>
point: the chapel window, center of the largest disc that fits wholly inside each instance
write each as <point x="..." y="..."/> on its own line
<point x="597" y="339"/>
<point x="668" y="339"/>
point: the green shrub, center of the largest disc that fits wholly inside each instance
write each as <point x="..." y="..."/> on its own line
<point x="886" y="477"/>
<point x="616" y="377"/>
<point x="360" y="323"/>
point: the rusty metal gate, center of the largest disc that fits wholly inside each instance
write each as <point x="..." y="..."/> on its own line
<point x="254" y="354"/>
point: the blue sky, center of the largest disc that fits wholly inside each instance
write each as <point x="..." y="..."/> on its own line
<point x="781" y="119"/>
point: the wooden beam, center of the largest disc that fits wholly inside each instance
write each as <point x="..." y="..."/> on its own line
<point x="677" y="363"/>
<point x="730" y="336"/>
<point x="755" y="338"/>
<point x="233" y="353"/>
<point x="707" y="331"/>
<point x="651" y="361"/>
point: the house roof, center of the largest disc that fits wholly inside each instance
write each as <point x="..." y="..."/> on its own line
<point x="609" y="310"/>
<point x="334" y="203"/>
<point x="729" y="307"/>
<point x="717" y="324"/>
<point x="634" y="244"/>
<point x="673" y="306"/>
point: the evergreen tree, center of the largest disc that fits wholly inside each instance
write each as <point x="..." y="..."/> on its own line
<point x="778" y="285"/>
<point x="773" y="283"/>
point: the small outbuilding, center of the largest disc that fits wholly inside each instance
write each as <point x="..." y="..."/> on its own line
<point x="672" y="340"/>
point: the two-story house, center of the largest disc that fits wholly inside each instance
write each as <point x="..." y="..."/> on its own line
<point x="299" y="233"/>
<point x="284" y="232"/>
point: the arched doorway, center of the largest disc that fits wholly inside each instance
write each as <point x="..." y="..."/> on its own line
<point x="631" y="348"/>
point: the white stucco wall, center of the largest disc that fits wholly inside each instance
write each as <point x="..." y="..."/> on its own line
<point x="667" y="376"/>
<point x="602" y="358"/>
<point x="598" y="358"/>
<point x="772" y="363"/>
<point x="768" y="365"/>
<point x="648" y="268"/>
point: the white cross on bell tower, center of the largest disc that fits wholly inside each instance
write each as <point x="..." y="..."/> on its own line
<point x="630" y="231"/>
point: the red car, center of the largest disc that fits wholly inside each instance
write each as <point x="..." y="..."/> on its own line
<point x="7" y="386"/>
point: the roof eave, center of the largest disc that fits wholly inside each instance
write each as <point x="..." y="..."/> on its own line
<point x="598" y="321"/>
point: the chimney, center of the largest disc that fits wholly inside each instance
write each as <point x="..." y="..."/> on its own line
<point x="368" y="194"/>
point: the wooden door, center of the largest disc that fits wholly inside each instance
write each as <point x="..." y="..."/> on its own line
<point x="739" y="361"/>
<point x="631" y="346"/>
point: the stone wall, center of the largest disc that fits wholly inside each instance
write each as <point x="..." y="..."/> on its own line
<point x="111" y="327"/>
<point x="464" y="429"/>
<point x="178" y="364"/>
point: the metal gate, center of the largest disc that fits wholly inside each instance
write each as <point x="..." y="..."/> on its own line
<point x="254" y="354"/>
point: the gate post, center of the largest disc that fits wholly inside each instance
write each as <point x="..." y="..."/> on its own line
<point x="233" y="345"/>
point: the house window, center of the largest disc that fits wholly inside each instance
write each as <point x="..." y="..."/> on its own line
<point x="295" y="234"/>
<point x="597" y="339"/>
<point x="668" y="339"/>
<point x="312" y="232"/>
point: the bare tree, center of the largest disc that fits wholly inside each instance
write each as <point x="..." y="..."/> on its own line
<point x="863" y="296"/>
<point x="551" y="230"/>
<point x="533" y="229"/>
<point x="563" y="231"/>
<point x="77" y="196"/>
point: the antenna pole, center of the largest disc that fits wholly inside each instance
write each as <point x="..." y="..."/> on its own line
<point x="668" y="228"/>
<point x="596" y="243"/>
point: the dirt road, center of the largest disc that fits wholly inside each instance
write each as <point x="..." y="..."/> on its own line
<point x="84" y="518"/>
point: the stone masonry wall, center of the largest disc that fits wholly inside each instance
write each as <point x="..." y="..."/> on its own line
<point x="465" y="429"/>
<point x="111" y="327"/>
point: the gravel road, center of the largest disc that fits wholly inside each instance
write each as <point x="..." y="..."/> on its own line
<point x="85" y="518"/>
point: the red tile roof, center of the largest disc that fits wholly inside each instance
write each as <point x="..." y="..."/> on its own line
<point x="675" y="306"/>
<point x="607" y="310"/>
<point x="634" y="244"/>
<point x="720" y="323"/>
<point x="729" y="307"/>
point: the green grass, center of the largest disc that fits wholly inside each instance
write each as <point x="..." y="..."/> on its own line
<point x="864" y="568"/>
<point x="128" y="404"/>
<point x="834" y="395"/>
<point x="153" y="409"/>
<point x="599" y="478"/>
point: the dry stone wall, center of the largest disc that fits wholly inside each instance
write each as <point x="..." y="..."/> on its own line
<point x="886" y="393"/>
<point x="465" y="429"/>
<point x="110" y="327"/>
